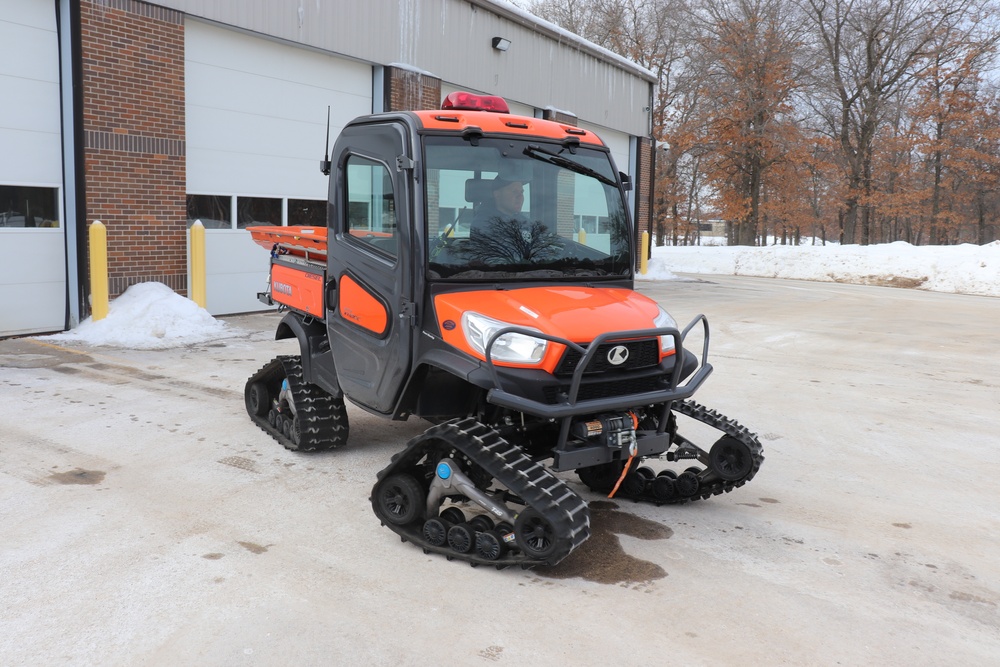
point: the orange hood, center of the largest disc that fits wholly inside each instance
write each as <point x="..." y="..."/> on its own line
<point x="578" y="314"/>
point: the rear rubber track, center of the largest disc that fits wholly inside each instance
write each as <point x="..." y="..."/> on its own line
<point x="710" y="484"/>
<point x="474" y="443"/>
<point x="322" y="418"/>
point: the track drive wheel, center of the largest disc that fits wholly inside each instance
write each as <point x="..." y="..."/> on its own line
<point x="534" y="534"/>
<point x="257" y="399"/>
<point x="462" y="538"/>
<point x="490" y="545"/>
<point x="601" y="478"/>
<point x="399" y="499"/>
<point x="453" y="516"/>
<point x="436" y="531"/>
<point x="730" y="458"/>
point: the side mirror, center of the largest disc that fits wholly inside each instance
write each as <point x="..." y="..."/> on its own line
<point x="626" y="181"/>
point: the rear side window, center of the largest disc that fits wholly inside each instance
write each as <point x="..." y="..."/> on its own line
<point x="371" y="207"/>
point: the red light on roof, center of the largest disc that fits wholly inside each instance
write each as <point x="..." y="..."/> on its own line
<point x="461" y="101"/>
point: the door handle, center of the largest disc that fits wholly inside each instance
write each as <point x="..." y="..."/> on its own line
<point x="330" y="294"/>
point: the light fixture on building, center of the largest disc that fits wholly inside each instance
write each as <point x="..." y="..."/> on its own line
<point x="501" y="44"/>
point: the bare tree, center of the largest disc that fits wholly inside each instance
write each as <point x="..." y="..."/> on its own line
<point x="871" y="50"/>
<point x="749" y="52"/>
<point x="651" y="33"/>
<point x="876" y="122"/>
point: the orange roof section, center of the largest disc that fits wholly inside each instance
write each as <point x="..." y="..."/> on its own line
<point x="452" y="120"/>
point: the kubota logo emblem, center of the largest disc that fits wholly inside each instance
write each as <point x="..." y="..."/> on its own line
<point x="618" y="355"/>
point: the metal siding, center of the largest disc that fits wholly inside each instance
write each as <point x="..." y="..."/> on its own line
<point x="516" y="108"/>
<point x="451" y="39"/>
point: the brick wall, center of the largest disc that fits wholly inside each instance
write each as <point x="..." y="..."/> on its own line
<point x="560" y="117"/>
<point x="134" y="144"/>
<point x="406" y="90"/>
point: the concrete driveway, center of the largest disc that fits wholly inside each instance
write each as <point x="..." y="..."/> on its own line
<point x="145" y="521"/>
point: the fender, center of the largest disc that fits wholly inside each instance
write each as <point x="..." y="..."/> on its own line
<point x="318" y="366"/>
<point x="443" y="382"/>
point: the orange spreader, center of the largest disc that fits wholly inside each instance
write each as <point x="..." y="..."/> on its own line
<point x="308" y="242"/>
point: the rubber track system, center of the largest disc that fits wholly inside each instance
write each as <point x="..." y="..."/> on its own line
<point x="711" y="485"/>
<point x="524" y="478"/>
<point x="322" y="419"/>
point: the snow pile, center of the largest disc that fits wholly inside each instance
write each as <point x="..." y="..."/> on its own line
<point x="148" y="316"/>
<point x="965" y="269"/>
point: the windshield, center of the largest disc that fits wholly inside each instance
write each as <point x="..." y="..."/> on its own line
<point x="513" y="209"/>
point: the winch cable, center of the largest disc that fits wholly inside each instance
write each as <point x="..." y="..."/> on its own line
<point x="632" y="450"/>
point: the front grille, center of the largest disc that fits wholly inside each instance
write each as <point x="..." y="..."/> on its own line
<point x="553" y="394"/>
<point x="641" y="354"/>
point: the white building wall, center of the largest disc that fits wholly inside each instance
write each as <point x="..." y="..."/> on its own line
<point x="452" y="39"/>
<point x="256" y="124"/>
<point x="32" y="260"/>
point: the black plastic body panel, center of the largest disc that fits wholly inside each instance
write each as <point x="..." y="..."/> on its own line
<point x="318" y="366"/>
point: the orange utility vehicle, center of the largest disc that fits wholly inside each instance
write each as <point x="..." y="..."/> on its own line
<point x="516" y="333"/>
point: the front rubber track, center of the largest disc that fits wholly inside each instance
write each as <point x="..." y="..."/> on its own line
<point x="709" y="484"/>
<point x="507" y="464"/>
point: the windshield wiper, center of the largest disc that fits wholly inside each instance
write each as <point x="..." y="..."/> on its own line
<point x="544" y="155"/>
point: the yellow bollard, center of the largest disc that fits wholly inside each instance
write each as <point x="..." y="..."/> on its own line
<point x="98" y="271"/>
<point x="581" y="238"/>
<point x="198" y="263"/>
<point x="644" y="256"/>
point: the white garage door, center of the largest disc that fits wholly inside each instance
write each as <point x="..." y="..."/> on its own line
<point x="617" y="142"/>
<point x="256" y="124"/>
<point x="32" y="254"/>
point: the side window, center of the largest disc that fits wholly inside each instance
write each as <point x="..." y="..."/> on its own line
<point x="371" y="209"/>
<point x="23" y="206"/>
<point x="214" y="211"/>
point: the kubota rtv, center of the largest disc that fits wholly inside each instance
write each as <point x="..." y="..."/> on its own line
<point x="477" y="272"/>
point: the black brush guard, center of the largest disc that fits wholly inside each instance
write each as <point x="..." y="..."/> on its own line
<point x="568" y="456"/>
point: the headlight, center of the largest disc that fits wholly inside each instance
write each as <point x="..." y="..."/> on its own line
<point x="664" y="320"/>
<point x="511" y="347"/>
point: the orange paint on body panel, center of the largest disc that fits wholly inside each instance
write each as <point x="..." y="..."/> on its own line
<point x="500" y="123"/>
<point x="577" y="314"/>
<point x="361" y="307"/>
<point x="297" y="289"/>
<point x="301" y="241"/>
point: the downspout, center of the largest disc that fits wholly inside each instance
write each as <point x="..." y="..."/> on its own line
<point x="633" y="171"/>
<point x="73" y="190"/>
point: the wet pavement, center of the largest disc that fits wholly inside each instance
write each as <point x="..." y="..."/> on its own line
<point x="144" y="520"/>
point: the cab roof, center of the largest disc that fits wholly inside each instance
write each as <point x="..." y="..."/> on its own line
<point x="459" y="121"/>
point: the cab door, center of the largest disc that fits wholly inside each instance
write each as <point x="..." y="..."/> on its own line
<point x="368" y="293"/>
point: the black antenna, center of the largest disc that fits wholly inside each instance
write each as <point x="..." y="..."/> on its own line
<point x="324" y="165"/>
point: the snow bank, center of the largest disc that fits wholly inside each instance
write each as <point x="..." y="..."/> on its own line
<point x="148" y="316"/>
<point x="966" y="269"/>
<point x="151" y="316"/>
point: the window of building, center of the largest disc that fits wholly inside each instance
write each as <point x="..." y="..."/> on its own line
<point x="593" y="224"/>
<point x="28" y="207"/>
<point x="214" y="211"/>
<point x="257" y="211"/>
<point x="371" y="209"/>
<point x="306" y="213"/>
